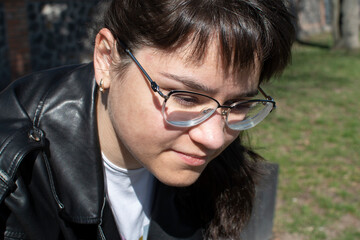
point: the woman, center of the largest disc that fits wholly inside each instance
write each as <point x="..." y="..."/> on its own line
<point x="144" y="142"/>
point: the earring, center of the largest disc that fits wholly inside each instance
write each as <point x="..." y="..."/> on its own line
<point x="101" y="88"/>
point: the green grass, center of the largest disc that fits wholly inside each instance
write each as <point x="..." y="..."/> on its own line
<point x="314" y="135"/>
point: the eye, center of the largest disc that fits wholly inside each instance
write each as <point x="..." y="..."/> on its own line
<point x="186" y="100"/>
<point x="243" y="107"/>
<point x="230" y="102"/>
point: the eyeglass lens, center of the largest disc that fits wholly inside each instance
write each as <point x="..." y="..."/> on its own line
<point x="188" y="109"/>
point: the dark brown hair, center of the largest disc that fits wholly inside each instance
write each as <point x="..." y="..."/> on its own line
<point x="222" y="198"/>
<point x="243" y="27"/>
<point x="226" y="191"/>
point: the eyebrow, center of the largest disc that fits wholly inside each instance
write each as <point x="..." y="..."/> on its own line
<point x="194" y="85"/>
<point x="189" y="82"/>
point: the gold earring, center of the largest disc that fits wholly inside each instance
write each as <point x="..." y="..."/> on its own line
<point x="101" y="88"/>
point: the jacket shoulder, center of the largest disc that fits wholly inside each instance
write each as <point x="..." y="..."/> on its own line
<point x="30" y="90"/>
<point x="20" y="102"/>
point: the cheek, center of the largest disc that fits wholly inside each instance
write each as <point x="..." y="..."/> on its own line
<point x="136" y="116"/>
<point x="132" y="101"/>
<point x="131" y="114"/>
<point x="231" y="135"/>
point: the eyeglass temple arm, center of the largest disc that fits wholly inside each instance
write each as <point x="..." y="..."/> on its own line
<point x="265" y="95"/>
<point x="153" y="84"/>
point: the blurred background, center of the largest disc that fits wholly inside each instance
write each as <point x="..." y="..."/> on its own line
<point x="313" y="135"/>
<point x="40" y="34"/>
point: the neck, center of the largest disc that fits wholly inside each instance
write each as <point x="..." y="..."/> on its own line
<point x="110" y="144"/>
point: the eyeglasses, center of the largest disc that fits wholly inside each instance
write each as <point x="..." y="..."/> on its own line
<point x="187" y="109"/>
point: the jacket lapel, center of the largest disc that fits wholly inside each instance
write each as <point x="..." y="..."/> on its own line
<point x="68" y="118"/>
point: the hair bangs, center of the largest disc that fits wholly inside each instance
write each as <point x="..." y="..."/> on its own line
<point x="237" y="38"/>
<point x="248" y="32"/>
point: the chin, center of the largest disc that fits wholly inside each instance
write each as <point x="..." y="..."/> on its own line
<point x="178" y="179"/>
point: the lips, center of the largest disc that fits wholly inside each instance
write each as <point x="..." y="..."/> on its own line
<point x="192" y="159"/>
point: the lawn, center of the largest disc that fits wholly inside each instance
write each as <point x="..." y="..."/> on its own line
<point x="314" y="137"/>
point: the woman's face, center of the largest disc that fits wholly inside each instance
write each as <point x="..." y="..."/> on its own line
<point x="176" y="156"/>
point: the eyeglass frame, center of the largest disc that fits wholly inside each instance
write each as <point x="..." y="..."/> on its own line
<point x="155" y="87"/>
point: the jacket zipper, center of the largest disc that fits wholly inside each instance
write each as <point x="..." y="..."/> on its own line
<point x="100" y="231"/>
<point x="52" y="185"/>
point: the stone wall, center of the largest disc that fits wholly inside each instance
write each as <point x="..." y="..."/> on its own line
<point x="17" y="37"/>
<point x="4" y="58"/>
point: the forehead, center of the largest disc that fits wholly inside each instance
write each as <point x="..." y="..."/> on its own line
<point x="209" y="68"/>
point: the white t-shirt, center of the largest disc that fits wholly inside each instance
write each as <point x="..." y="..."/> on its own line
<point x="130" y="196"/>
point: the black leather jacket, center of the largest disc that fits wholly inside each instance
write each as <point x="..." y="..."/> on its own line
<point x="51" y="172"/>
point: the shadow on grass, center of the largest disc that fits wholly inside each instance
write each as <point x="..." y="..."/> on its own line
<point x="313" y="44"/>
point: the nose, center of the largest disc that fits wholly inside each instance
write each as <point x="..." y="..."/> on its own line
<point x="210" y="133"/>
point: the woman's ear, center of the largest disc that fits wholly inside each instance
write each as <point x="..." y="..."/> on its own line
<point x="104" y="55"/>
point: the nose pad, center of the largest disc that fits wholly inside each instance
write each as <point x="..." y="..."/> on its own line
<point x="224" y="112"/>
<point x="205" y="111"/>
